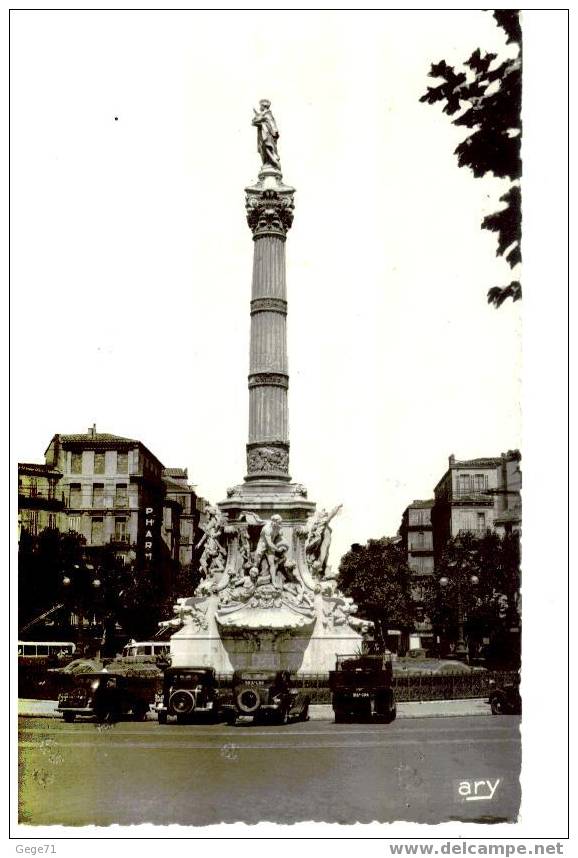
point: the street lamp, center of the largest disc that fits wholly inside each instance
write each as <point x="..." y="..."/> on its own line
<point x="461" y="650"/>
<point x="76" y="584"/>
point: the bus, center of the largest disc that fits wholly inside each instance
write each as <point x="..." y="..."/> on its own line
<point x="138" y="649"/>
<point x="44" y="649"/>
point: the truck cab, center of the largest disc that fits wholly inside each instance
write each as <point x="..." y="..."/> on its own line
<point x="262" y="694"/>
<point x="105" y="696"/>
<point x="188" y="691"/>
<point x="361" y="687"/>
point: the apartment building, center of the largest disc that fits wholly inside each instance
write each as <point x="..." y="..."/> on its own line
<point x="40" y="498"/>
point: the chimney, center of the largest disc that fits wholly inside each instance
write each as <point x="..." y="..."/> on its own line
<point x="92" y="430"/>
<point x="452" y="460"/>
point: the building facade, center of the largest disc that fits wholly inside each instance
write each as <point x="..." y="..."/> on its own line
<point x="40" y="498"/>
<point x="477" y="495"/>
<point x="113" y="492"/>
<point x="416" y="532"/>
<point x="180" y="491"/>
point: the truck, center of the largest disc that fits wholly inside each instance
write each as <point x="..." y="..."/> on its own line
<point x="106" y="697"/>
<point x="361" y="688"/>
<point x="188" y="692"/>
<point x="265" y="695"/>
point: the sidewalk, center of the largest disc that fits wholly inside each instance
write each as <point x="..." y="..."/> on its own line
<point x="317" y="712"/>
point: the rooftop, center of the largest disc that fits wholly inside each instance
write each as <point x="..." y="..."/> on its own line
<point x="175" y="472"/>
<point x="476" y="463"/>
<point x="34" y="467"/>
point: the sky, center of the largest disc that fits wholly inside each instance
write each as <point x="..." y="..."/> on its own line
<point x="131" y="257"/>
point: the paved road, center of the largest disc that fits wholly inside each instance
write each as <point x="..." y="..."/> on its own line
<point x="81" y="773"/>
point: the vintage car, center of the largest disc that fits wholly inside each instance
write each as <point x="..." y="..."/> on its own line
<point x="187" y="692"/>
<point x="361" y="687"/>
<point x="106" y="696"/>
<point x="505" y="699"/>
<point x="265" y="694"/>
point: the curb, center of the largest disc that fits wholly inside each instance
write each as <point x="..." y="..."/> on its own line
<point x="477" y="706"/>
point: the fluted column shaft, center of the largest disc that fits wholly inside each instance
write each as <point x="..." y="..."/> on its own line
<point x="269" y="213"/>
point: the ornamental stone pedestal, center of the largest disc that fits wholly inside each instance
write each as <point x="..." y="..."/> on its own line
<point x="268" y="599"/>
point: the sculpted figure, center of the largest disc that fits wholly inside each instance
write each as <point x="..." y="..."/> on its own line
<point x="319" y="540"/>
<point x="270" y="545"/>
<point x="267" y="135"/>
<point x="214" y="554"/>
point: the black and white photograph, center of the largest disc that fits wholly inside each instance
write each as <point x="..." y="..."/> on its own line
<point x="268" y="364"/>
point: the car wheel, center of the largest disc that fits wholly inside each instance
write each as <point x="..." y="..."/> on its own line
<point x="497" y="705"/>
<point x="182" y="703"/>
<point x="140" y="711"/>
<point x="248" y="700"/>
<point x="68" y="717"/>
<point x="391" y="714"/>
<point x="105" y="716"/>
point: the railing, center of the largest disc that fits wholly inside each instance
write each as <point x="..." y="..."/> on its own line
<point x="407" y="687"/>
<point x="35" y="492"/>
<point x="474" y="493"/>
<point x="35" y="682"/>
<point x="474" y="531"/>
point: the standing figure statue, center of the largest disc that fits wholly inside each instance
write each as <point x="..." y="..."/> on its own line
<point x="270" y="545"/>
<point x="267" y="135"/>
<point x="319" y="540"/>
<point x="212" y="558"/>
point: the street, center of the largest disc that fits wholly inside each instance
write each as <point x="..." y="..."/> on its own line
<point x="423" y="770"/>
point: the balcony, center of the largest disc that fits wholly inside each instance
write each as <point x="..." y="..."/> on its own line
<point x="478" y="532"/>
<point x="33" y="497"/>
<point x="477" y="495"/>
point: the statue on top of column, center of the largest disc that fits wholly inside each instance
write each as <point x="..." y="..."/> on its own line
<point x="267" y="135"/>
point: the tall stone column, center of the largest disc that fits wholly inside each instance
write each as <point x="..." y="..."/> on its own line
<point x="269" y="206"/>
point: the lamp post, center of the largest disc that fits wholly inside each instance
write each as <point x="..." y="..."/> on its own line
<point x="461" y="650"/>
<point x="76" y="584"/>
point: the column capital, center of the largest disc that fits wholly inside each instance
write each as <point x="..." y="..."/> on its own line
<point x="269" y="205"/>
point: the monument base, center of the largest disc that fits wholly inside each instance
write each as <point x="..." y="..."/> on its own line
<point x="299" y="654"/>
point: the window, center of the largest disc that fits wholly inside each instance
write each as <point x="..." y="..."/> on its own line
<point x="51" y="521"/>
<point x="74" y="523"/>
<point x="75" y="496"/>
<point x="481" y="482"/>
<point x="121" y="496"/>
<point x="99" y="462"/>
<point x="120" y="531"/>
<point x="98" y="495"/>
<point x="463" y="483"/>
<point x="97" y="531"/>
<point x="29" y="521"/>
<point x="76" y="463"/>
<point x="481" y="521"/>
<point x="122" y="463"/>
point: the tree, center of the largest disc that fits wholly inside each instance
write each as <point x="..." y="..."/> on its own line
<point x="488" y="98"/>
<point x="42" y="560"/>
<point x="481" y="576"/>
<point x="377" y="577"/>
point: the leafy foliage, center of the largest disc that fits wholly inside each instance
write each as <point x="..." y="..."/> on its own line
<point x="490" y="605"/>
<point x="377" y="577"/>
<point x="488" y="99"/>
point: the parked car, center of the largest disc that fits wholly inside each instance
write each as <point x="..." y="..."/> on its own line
<point x="266" y="694"/>
<point x="188" y="691"/>
<point x="106" y="696"/>
<point x="361" y="688"/>
<point x="505" y="699"/>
